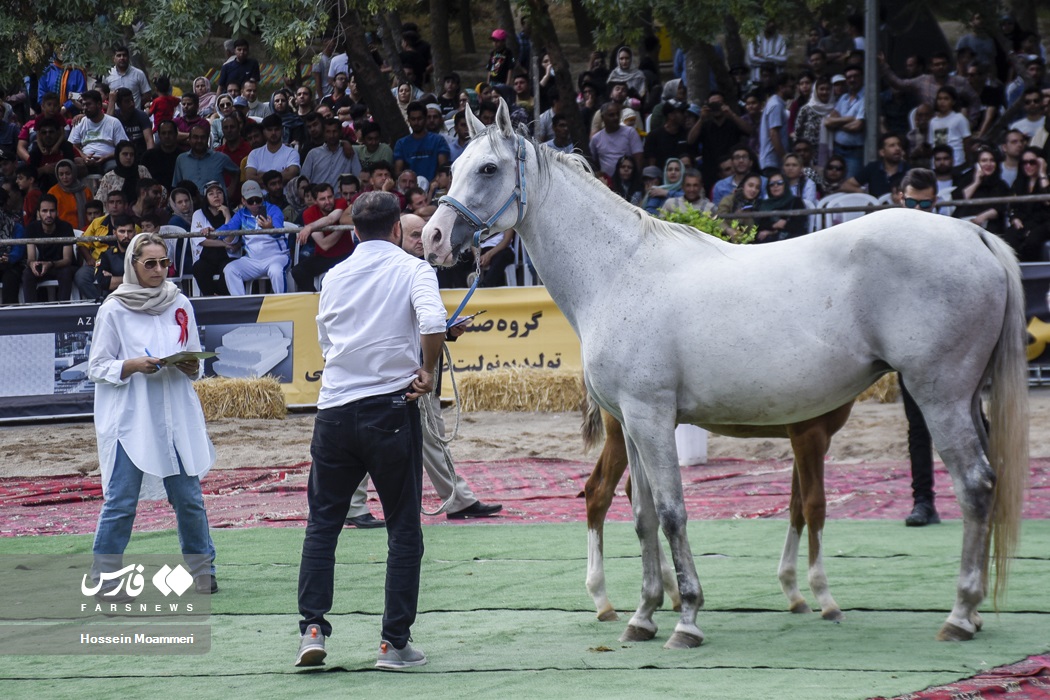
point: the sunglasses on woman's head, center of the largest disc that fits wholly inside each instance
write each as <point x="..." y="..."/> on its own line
<point x="152" y="263"/>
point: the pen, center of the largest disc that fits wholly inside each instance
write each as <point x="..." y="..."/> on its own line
<point x="148" y="353"/>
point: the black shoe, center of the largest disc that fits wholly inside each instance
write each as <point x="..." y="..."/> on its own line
<point x="206" y="584"/>
<point x="477" y="509"/>
<point x="922" y="514"/>
<point x="365" y="522"/>
<point x="119" y="597"/>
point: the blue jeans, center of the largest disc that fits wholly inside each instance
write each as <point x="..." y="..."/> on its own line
<point x="854" y="157"/>
<point x="118" y="516"/>
<point x="380" y="436"/>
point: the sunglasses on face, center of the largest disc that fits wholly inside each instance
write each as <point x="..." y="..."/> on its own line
<point x="1029" y="162"/>
<point x="254" y="200"/>
<point x="924" y="204"/>
<point x="833" y="167"/>
<point x="776" y="183"/>
<point x="1033" y="102"/>
<point x="152" y="263"/>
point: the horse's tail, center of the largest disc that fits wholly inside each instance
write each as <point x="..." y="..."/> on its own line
<point x="592" y="430"/>
<point x="1008" y="417"/>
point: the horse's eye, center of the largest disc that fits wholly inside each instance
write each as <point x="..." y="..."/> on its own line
<point x="488" y="169"/>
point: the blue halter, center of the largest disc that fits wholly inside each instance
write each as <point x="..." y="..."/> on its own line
<point x="480" y="227"/>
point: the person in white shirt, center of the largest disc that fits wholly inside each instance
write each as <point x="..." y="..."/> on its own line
<point x="272" y="155"/>
<point x="97" y="134"/>
<point x="148" y="421"/>
<point x="379" y="312"/>
<point x="125" y="75"/>
<point x="1034" y="113"/>
<point x="768" y="47"/>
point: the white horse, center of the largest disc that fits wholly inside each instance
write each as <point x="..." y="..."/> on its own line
<point x="679" y="327"/>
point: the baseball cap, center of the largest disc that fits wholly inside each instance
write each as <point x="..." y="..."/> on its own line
<point x="652" y="171"/>
<point x="499" y="35"/>
<point x="212" y="185"/>
<point x="250" y="189"/>
<point x="240" y="101"/>
<point x="838" y="79"/>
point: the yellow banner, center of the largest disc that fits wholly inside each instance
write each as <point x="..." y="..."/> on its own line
<point x="519" y="326"/>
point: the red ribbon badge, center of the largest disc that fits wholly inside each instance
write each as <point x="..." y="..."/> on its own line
<point x="183" y="319"/>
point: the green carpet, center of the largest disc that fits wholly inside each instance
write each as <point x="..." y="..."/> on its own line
<point x="503" y="612"/>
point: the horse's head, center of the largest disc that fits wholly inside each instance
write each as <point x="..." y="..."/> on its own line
<point x="488" y="190"/>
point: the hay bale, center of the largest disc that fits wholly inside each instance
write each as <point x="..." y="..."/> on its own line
<point x="521" y="389"/>
<point x="885" y="390"/>
<point x="255" y="397"/>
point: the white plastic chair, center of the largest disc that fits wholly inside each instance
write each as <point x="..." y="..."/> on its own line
<point x="844" y="199"/>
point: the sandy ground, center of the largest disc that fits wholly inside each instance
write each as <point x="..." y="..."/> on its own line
<point x="875" y="432"/>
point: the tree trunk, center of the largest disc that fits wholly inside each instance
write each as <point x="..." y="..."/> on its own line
<point x="393" y="20"/>
<point x="1024" y="12"/>
<point x="439" y="45"/>
<point x="505" y="20"/>
<point x="543" y="34"/>
<point x="584" y="25"/>
<point x="734" y="45"/>
<point x="466" y="27"/>
<point x="389" y="48"/>
<point x="373" y="84"/>
<point x="716" y="64"/>
<point x="696" y="74"/>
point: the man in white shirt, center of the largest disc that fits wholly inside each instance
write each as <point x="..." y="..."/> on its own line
<point x="125" y="75"/>
<point x="97" y="134"/>
<point x="1034" y="113"/>
<point x="379" y="311"/>
<point x="256" y="108"/>
<point x="272" y="155"/>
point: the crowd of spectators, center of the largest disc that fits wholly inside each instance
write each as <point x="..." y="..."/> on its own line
<point x="90" y="156"/>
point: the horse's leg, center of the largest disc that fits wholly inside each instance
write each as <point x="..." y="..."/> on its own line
<point x="641" y="627"/>
<point x="973" y="480"/>
<point x="809" y="441"/>
<point x="788" y="571"/>
<point x="599" y="491"/>
<point x="667" y="573"/>
<point x="658" y="459"/>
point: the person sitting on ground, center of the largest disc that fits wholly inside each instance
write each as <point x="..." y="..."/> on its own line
<point x="264" y="255"/>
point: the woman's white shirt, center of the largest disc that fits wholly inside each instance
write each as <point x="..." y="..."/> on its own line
<point x="152" y="416"/>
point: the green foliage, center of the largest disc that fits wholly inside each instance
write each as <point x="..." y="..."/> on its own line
<point x="732" y="230"/>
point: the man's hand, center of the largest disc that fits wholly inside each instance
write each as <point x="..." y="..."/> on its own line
<point x="304" y="234"/>
<point x="264" y="221"/>
<point x="422" y="384"/>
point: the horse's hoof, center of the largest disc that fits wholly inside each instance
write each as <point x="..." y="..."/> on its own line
<point x="677" y="607"/>
<point x="608" y="616"/>
<point x="833" y="615"/>
<point x="953" y="633"/>
<point x="800" y="608"/>
<point x="637" y="634"/>
<point x="684" y="640"/>
<point x="977" y="620"/>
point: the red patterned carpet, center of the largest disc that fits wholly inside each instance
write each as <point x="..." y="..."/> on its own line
<point x="531" y="490"/>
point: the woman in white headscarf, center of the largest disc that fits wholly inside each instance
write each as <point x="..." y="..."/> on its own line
<point x="809" y="124"/>
<point x="624" y="72"/>
<point x="152" y="441"/>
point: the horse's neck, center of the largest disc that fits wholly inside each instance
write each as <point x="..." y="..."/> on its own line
<point x="577" y="243"/>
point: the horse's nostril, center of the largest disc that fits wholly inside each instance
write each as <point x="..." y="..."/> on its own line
<point x="437" y="235"/>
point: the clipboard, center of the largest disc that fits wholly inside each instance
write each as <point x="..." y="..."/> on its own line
<point x="186" y="356"/>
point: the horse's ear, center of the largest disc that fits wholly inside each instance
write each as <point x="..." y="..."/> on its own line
<point x="503" y="119"/>
<point x="474" y="125"/>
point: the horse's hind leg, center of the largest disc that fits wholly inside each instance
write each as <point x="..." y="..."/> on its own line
<point x="788" y="571"/>
<point x="599" y="491"/>
<point x="810" y="440"/>
<point x="953" y="430"/>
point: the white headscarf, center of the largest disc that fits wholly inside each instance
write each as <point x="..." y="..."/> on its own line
<point x="151" y="300"/>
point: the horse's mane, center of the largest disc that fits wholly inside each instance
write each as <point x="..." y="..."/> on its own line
<point x="548" y="159"/>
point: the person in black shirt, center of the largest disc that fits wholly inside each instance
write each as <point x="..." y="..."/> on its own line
<point x="109" y="273"/>
<point x="136" y="124"/>
<point x="48" y="262"/>
<point x="241" y="68"/>
<point x="160" y="161"/>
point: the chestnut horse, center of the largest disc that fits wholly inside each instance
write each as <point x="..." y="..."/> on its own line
<point x="809" y="442"/>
